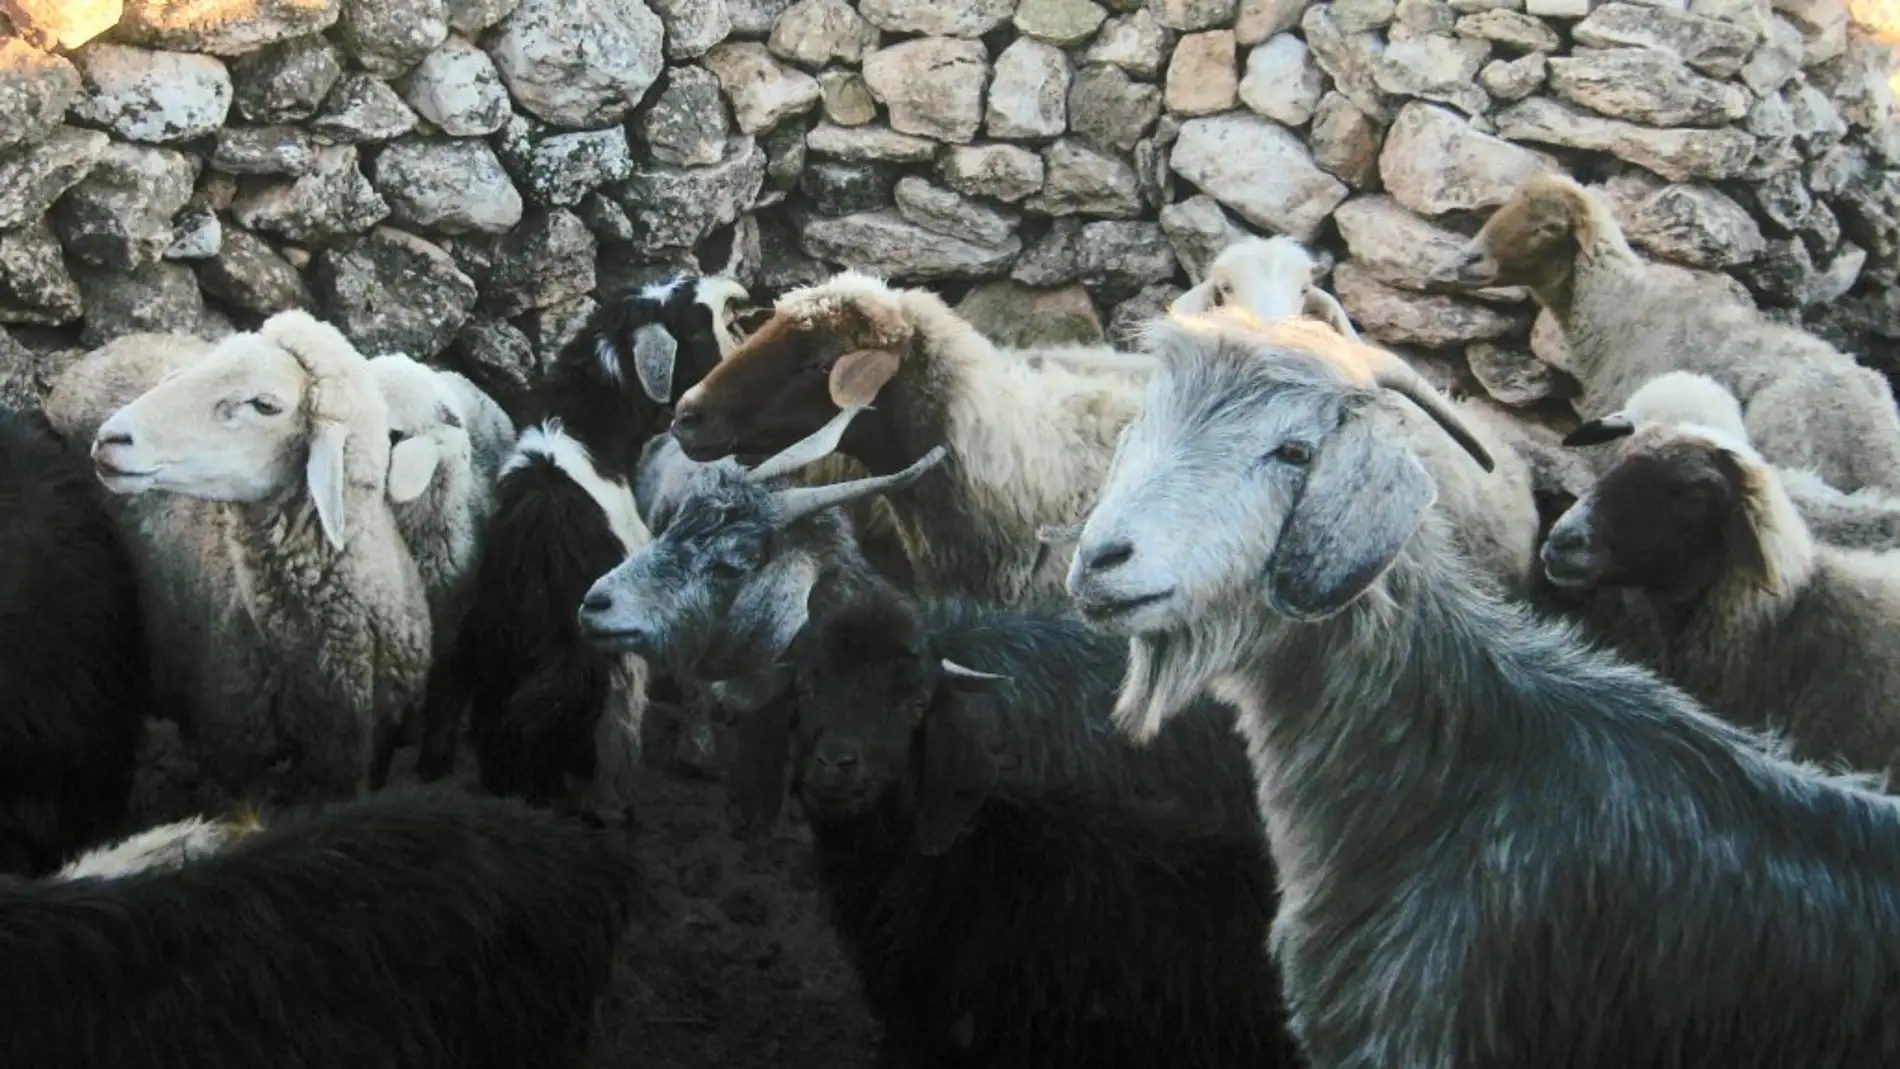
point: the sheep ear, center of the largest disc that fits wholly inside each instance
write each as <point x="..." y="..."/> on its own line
<point x="858" y="376"/>
<point x="1741" y="540"/>
<point x="1600" y="430"/>
<point x="412" y="464"/>
<point x="757" y="779"/>
<point x="957" y="774"/>
<point x="324" y="474"/>
<point x="1194" y="301"/>
<point x="654" y="351"/>
<point x="1365" y="493"/>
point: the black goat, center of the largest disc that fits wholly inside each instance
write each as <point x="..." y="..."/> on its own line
<point x="564" y="516"/>
<point x="412" y="929"/>
<point x="73" y="680"/>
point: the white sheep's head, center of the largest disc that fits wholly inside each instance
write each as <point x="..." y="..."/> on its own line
<point x="1268" y="468"/>
<point x="426" y="428"/>
<point x="255" y="419"/>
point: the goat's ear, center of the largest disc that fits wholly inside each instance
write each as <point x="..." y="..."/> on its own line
<point x="412" y="464"/>
<point x="858" y="376"/>
<point x="1364" y="495"/>
<point x="1741" y="539"/>
<point x="654" y="353"/>
<point x="760" y="625"/>
<point x="757" y="778"/>
<point x="1600" y="430"/>
<point x="323" y="472"/>
<point x="956" y="776"/>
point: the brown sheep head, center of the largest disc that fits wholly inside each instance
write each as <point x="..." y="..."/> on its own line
<point x="1533" y="239"/>
<point x="826" y="348"/>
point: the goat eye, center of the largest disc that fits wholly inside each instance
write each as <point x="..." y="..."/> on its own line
<point x="266" y="407"/>
<point x="1296" y="454"/>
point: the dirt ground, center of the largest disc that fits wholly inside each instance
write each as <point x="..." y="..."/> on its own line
<point x="736" y="968"/>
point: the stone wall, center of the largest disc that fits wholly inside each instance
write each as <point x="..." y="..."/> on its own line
<point x="457" y="178"/>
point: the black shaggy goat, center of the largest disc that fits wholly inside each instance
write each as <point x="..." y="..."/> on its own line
<point x="998" y="916"/>
<point x="564" y="516"/>
<point x="412" y="929"/>
<point x="73" y="682"/>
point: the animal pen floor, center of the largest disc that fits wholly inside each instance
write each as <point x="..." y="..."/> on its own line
<point x="736" y="968"/>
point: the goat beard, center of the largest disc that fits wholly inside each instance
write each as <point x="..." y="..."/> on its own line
<point x="1167" y="670"/>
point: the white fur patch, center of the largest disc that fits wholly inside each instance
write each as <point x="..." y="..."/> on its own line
<point x="716" y="293"/>
<point x="609" y="356"/>
<point x="615" y="498"/>
<point x="168" y="846"/>
<point x="1683" y="397"/>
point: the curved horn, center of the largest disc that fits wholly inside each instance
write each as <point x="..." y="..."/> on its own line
<point x="1398" y="376"/>
<point x="952" y="668"/>
<point x="797" y="502"/>
<point x="1603" y="429"/>
<point x="813" y="447"/>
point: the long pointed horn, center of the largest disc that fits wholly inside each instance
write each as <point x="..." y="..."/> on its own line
<point x="1398" y="376"/>
<point x="813" y="447"/>
<point x="797" y="502"/>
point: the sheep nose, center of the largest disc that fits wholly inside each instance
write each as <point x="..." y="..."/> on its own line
<point x="838" y="757"/>
<point x="113" y="438"/>
<point x="1107" y="556"/>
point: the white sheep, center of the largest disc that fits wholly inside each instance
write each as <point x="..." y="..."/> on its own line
<point x="1625" y="321"/>
<point x="308" y="635"/>
<point x="1274" y="278"/>
<point x="167" y="846"/>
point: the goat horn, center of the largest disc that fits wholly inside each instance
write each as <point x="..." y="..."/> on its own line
<point x="814" y="447"/>
<point x="1603" y="429"/>
<point x="952" y="668"/>
<point x="797" y="502"/>
<point x="1398" y="376"/>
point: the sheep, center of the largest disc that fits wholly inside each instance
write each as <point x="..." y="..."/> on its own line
<point x="1761" y="623"/>
<point x="954" y="883"/>
<point x="426" y="930"/>
<point x="311" y="637"/>
<point x="1272" y="277"/>
<point x="1807" y="404"/>
<point x="1865" y="519"/>
<point x="1029" y="444"/>
<point x="1494" y="846"/>
<point x="167" y="846"/>
<point x="73" y="680"/>
<point x="550" y="718"/>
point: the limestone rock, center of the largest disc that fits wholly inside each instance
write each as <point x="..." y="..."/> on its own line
<point x="1400" y="317"/>
<point x="560" y="170"/>
<point x="847" y="100"/>
<point x="874" y="142"/>
<point x="1512" y="376"/>
<point x="449" y="186"/>
<point x="952" y="214"/>
<point x="1696" y="225"/>
<point x="457" y="88"/>
<point x="35" y="90"/>
<point x="1558" y="9"/>
<point x="1678" y="155"/>
<point x="248" y="275"/>
<point x="496" y="353"/>
<point x="393" y="292"/>
<point x="1126" y="323"/>
<point x="1361" y="16"/>
<point x="938" y="18"/>
<point x="1136" y="43"/>
<point x="197" y="234"/>
<point x="1258" y="169"/>
<point x="1782" y="274"/>
<point x="785" y="158"/>
<point x="931" y="86"/>
<point x="49" y="24"/>
<point x="1029" y="91"/>
<point x="1509" y="80"/>
<point x="471" y="17"/>
<point x="1716" y="47"/>
<point x="285" y="82"/>
<point x="1198" y="229"/>
<point x="1081" y="181"/>
<point x="762" y="92"/>
<point x="548" y="260"/>
<point x="675" y="208"/>
<point x="835" y="188"/>
<point x="1858" y="83"/>
<point x="579" y="65"/>
<point x="1392" y="245"/>
<point x="1346" y="141"/>
<point x="264" y="150"/>
<point x="1434" y="162"/>
<point x="1065" y="23"/>
<point x="1110" y="110"/>
<point x="889" y="245"/>
<point x="1114" y="258"/>
<point x="687" y="125"/>
<point x="160" y="297"/>
<point x="1016" y="316"/>
<point x="814" y="33"/>
<point x="1282" y="81"/>
<point x="390" y="36"/>
<point x="693" y="27"/>
<point x="1193" y="15"/>
<point x="1775" y="60"/>
<point x="1514" y="30"/>
<point x="1259" y="20"/>
<point x="121" y="214"/>
<point x="1435" y="67"/>
<point x="1351" y="59"/>
<point x="333" y="200"/>
<point x="362" y="109"/>
<point x="1647" y="87"/>
<point x="31" y="178"/>
<point x="35" y="286"/>
<point x="1007" y="173"/>
<point x="223" y="29"/>
<point x="1201" y="76"/>
<point x="156" y="97"/>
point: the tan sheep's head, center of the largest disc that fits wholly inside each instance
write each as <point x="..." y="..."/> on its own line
<point x="252" y="421"/>
<point x="1531" y="240"/>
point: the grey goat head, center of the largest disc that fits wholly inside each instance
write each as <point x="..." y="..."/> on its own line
<point x="1267" y="464"/>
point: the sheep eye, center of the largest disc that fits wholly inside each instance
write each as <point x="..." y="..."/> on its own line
<point x="266" y="407"/>
<point x="1297" y="454"/>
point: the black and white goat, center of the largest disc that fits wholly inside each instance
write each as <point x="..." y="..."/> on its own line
<point x="546" y="706"/>
<point x="428" y="929"/>
<point x="73" y="682"/>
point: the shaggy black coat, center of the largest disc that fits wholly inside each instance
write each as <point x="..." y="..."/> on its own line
<point x="73" y="680"/>
<point x="413" y="929"/>
<point x="1015" y="883"/>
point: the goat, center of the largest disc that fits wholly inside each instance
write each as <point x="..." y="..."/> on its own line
<point x="73" y="681"/>
<point x="546" y="709"/>
<point x="423" y="929"/>
<point x="311" y="634"/>
<point x="1495" y="847"/>
<point x="1029" y="443"/>
<point x="1624" y="322"/>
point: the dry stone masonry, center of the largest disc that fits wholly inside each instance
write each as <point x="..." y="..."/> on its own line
<point x="460" y="179"/>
